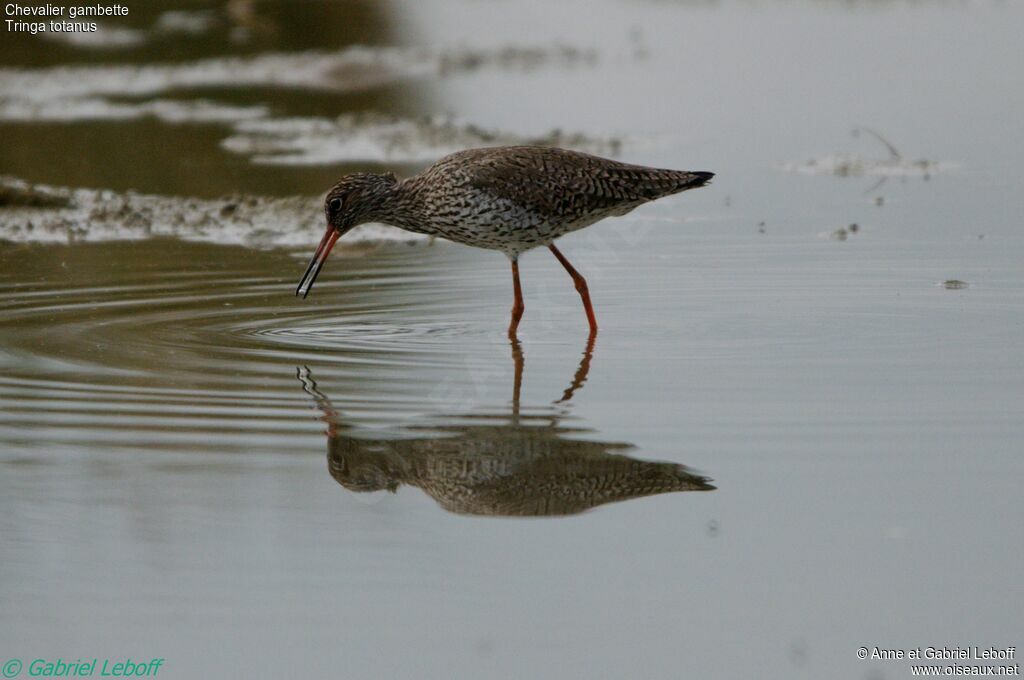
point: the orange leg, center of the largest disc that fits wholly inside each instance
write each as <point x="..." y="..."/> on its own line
<point x="517" y="304"/>
<point x="581" y="287"/>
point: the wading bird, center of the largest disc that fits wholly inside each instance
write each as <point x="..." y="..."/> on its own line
<point x="510" y="198"/>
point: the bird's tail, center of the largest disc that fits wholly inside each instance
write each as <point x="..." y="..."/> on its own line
<point x="694" y="180"/>
<point x="661" y="183"/>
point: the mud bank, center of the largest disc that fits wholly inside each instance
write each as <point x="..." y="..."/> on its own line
<point x="96" y="92"/>
<point x="384" y="138"/>
<point x="43" y="214"/>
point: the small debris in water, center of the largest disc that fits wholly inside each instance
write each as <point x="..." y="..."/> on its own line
<point x="839" y="234"/>
<point x="761" y="227"/>
<point x="879" y="201"/>
<point x="636" y="40"/>
<point x="954" y="284"/>
<point x="798" y="652"/>
<point x="853" y="228"/>
<point x="712" y="529"/>
<point x="853" y="165"/>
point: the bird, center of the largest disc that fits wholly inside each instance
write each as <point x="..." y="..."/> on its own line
<point x="506" y="198"/>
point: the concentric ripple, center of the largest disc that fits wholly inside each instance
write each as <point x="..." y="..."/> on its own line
<point x="365" y="335"/>
<point x="133" y="351"/>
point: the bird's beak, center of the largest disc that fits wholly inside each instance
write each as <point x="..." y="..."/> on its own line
<point x="319" y="257"/>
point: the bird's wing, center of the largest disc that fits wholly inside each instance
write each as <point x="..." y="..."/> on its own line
<point x="565" y="184"/>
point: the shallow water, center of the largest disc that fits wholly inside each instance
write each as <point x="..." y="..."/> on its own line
<point x="194" y="464"/>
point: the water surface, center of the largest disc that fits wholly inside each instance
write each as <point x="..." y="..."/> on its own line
<point x="194" y="464"/>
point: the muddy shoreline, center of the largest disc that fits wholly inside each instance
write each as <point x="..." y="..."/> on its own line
<point x="38" y="213"/>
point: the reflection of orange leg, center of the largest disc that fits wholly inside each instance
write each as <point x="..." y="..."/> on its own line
<point x="581" y="287"/>
<point x="582" y="371"/>
<point x="330" y="416"/>
<point x="517" y="380"/>
<point x="517" y="304"/>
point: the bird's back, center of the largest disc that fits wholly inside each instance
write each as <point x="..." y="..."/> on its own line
<point x="528" y="195"/>
<point x="563" y="183"/>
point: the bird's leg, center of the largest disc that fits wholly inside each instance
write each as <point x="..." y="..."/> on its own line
<point x="581" y="287"/>
<point x="517" y="304"/>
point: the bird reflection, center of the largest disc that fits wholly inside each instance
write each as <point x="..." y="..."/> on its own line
<point x="499" y="464"/>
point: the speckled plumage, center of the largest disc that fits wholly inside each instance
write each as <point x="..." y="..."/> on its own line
<point x="512" y="198"/>
<point x="509" y="198"/>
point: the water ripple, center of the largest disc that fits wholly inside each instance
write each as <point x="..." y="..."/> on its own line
<point x="187" y="357"/>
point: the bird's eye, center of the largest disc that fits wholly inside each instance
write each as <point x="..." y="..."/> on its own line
<point x="335" y="204"/>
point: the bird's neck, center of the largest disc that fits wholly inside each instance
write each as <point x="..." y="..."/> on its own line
<point x="402" y="207"/>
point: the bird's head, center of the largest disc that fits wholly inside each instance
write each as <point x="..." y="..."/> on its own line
<point x="364" y="465"/>
<point x="356" y="199"/>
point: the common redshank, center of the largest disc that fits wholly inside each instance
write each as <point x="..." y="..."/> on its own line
<point x="510" y="198"/>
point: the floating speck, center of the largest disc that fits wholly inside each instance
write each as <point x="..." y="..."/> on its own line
<point x="798" y="652"/>
<point x="853" y="228"/>
<point x="839" y="234"/>
<point x="954" y="284"/>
